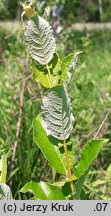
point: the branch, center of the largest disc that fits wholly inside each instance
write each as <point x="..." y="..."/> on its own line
<point x="69" y="174"/>
<point x="20" y="117"/>
<point x="102" y="124"/>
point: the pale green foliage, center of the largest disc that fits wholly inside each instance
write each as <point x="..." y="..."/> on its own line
<point x="47" y="13"/>
<point x="57" y="114"/>
<point x="43" y="191"/>
<point x="61" y="70"/>
<point x="68" y="66"/>
<point x="5" y="192"/>
<point x="3" y="168"/>
<point x="40" y="39"/>
<point x="45" y="144"/>
<point x="52" y="131"/>
<point x="89" y="153"/>
<point x="40" y="72"/>
<point x="101" y="183"/>
<point x="58" y="161"/>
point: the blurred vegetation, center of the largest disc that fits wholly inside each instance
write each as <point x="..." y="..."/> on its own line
<point x="13" y="68"/>
<point x="90" y="93"/>
<point x="70" y="10"/>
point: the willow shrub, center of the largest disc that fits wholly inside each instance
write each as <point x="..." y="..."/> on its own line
<point x="53" y="126"/>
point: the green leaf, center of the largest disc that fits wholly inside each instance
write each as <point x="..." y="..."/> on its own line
<point x="66" y="190"/>
<point x="47" y="13"/>
<point x="43" y="191"/>
<point x="60" y="183"/>
<point x="60" y="149"/>
<point x="68" y="66"/>
<point x="57" y="115"/>
<point x="63" y="181"/>
<point x="41" y="73"/>
<point x="35" y="189"/>
<point x="51" y="152"/>
<point x="1" y="192"/>
<point x="80" y="182"/>
<point x="39" y="37"/>
<point x="3" y="168"/>
<point x="88" y="155"/>
<point x="50" y="149"/>
<point x="5" y="192"/>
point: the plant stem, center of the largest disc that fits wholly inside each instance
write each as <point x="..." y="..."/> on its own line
<point x="49" y="76"/>
<point x="69" y="174"/>
<point x="102" y="124"/>
<point x="53" y="175"/>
